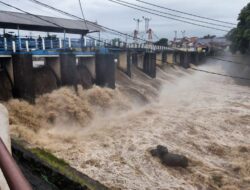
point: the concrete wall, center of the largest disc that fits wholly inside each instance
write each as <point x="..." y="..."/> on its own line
<point x="4" y="134"/>
<point x="159" y="59"/>
<point x="170" y="57"/>
<point x="123" y="61"/>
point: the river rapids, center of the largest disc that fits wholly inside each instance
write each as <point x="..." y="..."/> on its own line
<point x="107" y="134"/>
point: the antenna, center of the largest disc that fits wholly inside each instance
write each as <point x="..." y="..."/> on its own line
<point x="147" y="20"/>
<point x="137" y="24"/>
<point x="136" y="32"/>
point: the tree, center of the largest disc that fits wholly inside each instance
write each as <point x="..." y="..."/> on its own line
<point x="209" y="36"/>
<point x="162" y="42"/>
<point x="240" y="36"/>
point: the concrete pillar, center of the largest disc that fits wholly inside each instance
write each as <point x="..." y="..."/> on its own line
<point x="5" y="136"/>
<point x="164" y="58"/>
<point x="6" y="78"/>
<point x="105" y="70"/>
<point x="140" y="60"/>
<point x="149" y="64"/>
<point x="68" y="68"/>
<point x="184" y="59"/>
<point x="177" y="58"/>
<point x="23" y="76"/>
<point x="134" y="58"/>
<point x="194" y="58"/>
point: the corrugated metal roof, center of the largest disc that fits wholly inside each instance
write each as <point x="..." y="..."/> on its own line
<point x="13" y="20"/>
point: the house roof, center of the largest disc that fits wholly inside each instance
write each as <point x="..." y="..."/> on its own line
<point x="15" y="20"/>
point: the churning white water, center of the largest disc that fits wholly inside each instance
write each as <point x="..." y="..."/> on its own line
<point x="107" y="134"/>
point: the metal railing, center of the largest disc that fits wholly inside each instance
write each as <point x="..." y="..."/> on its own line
<point x="27" y="44"/>
<point x="11" y="171"/>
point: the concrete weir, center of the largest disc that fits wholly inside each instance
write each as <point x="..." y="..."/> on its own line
<point x="4" y="134"/>
<point x="21" y="78"/>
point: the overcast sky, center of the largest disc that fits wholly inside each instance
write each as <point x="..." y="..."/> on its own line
<point x="121" y="18"/>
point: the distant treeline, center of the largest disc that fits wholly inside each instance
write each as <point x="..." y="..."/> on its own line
<point x="240" y="36"/>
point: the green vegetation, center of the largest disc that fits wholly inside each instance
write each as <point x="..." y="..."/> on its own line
<point x="162" y="42"/>
<point x="64" y="168"/>
<point x="55" y="171"/>
<point x="240" y="36"/>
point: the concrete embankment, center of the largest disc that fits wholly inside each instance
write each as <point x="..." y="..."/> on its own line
<point x="42" y="169"/>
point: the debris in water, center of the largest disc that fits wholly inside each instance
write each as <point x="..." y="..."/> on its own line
<point x="169" y="159"/>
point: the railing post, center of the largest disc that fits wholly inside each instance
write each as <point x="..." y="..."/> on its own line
<point x="5" y="44"/>
<point x="85" y="41"/>
<point x="36" y="43"/>
<point x="51" y="44"/>
<point x="60" y="43"/>
<point x="69" y="42"/>
<point x="27" y="45"/>
<point x="14" y="46"/>
<point x="43" y="43"/>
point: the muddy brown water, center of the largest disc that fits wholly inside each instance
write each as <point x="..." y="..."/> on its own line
<point x="107" y="134"/>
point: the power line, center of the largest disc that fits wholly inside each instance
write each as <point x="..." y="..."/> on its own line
<point x="136" y="8"/>
<point x="178" y="16"/>
<point x="194" y="15"/>
<point x="74" y="16"/>
<point x="83" y="16"/>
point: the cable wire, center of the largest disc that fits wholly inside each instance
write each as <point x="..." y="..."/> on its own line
<point x="194" y="15"/>
<point x="83" y="16"/>
<point x="187" y="22"/>
<point x="178" y="16"/>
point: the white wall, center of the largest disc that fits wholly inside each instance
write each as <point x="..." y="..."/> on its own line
<point x="4" y="134"/>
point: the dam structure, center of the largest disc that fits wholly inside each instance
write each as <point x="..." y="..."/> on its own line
<point x="31" y="66"/>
